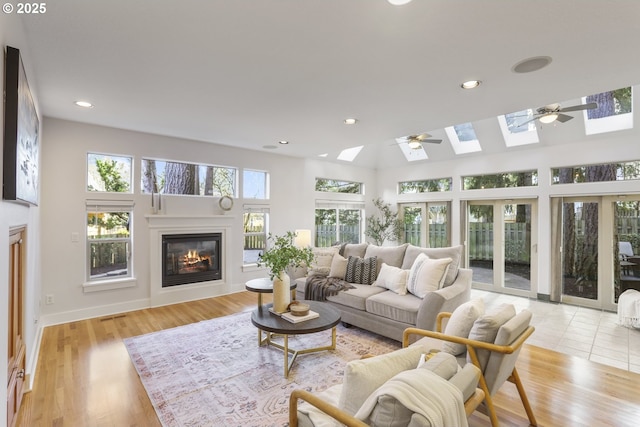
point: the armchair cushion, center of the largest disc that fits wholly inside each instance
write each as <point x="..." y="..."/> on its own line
<point x="362" y="377"/>
<point x="486" y="329"/>
<point x="460" y="324"/>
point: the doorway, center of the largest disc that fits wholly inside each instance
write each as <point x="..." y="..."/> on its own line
<point x="16" y="348"/>
<point x="501" y="245"/>
<point x="427" y="224"/>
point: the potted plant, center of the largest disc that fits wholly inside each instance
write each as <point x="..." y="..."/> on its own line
<point x="283" y="254"/>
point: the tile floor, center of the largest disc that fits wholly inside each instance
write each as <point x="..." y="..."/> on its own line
<point x="578" y="331"/>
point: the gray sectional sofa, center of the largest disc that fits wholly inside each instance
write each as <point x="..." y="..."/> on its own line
<point x="389" y="313"/>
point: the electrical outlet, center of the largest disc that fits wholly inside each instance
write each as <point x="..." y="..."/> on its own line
<point x="48" y="299"/>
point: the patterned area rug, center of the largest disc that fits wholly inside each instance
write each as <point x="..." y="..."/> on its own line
<point x="213" y="373"/>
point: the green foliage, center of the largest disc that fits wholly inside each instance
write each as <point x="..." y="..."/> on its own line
<point x="335" y="186"/>
<point x="282" y="254"/>
<point x="385" y="225"/>
<point x="426" y="186"/>
<point x="111" y="176"/>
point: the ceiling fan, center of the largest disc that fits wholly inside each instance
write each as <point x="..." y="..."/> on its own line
<point x="552" y="112"/>
<point x="415" y="141"/>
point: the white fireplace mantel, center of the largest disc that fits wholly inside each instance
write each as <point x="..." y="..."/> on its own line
<point x="160" y="225"/>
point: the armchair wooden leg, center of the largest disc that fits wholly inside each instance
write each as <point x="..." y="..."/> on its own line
<point x="515" y="378"/>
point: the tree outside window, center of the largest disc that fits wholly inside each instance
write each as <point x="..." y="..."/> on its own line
<point x="165" y="177"/>
<point x="108" y="173"/>
<point x="108" y="244"/>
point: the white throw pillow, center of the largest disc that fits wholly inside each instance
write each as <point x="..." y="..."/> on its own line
<point x="392" y="278"/>
<point x="321" y="264"/>
<point x="427" y="275"/>
<point x="338" y="267"/>
<point x="460" y="324"/>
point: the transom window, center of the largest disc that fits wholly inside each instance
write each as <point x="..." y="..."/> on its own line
<point x="425" y="186"/>
<point x="160" y="176"/>
<point x="108" y="173"/>
<point x="501" y="180"/>
<point x="255" y="184"/>
<point x="337" y="186"/>
<point x="596" y="173"/>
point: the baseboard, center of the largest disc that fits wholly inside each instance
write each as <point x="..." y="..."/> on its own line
<point x="543" y="297"/>
<point x="91" y="312"/>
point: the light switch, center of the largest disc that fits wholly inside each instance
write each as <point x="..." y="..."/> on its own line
<point x="75" y="237"/>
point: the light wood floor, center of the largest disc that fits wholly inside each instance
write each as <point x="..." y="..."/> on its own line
<point x="85" y="377"/>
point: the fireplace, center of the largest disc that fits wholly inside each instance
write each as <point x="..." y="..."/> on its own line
<point x="191" y="258"/>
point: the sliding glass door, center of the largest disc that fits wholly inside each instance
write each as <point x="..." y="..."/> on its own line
<point x="426" y="224"/>
<point x="500" y="245"/>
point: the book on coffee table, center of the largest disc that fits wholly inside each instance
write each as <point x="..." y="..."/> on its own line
<point x="297" y="319"/>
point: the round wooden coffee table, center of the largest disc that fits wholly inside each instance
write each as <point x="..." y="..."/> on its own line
<point x="274" y="325"/>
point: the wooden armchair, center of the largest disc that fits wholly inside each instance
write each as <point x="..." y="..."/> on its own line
<point x="500" y="365"/>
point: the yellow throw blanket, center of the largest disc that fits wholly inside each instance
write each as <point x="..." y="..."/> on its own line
<point x="422" y="392"/>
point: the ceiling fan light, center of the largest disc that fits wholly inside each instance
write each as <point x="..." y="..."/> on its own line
<point x="414" y="145"/>
<point x="548" y="118"/>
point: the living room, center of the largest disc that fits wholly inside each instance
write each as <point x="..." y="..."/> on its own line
<point x="56" y="259"/>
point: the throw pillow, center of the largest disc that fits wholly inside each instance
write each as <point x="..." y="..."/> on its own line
<point x="338" y="267"/>
<point x="392" y="278"/>
<point x="427" y="275"/>
<point x="363" y="376"/>
<point x="486" y="329"/>
<point x="361" y="270"/>
<point x="321" y="264"/>
<point x="390" y="255"/>
<point x="460" y="324"/>
<point x="354" y="249"/>
<point x="453" y="252"/>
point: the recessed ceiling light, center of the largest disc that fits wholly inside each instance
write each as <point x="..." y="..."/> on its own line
<point x="323" y="155"/>
<point x="350" y="121"/>
<point x="84" y="104"/>
<point x="471" y="84"/>
<point x="283" y="142"/>
<point x="398" y="2"/>
<point x="531" y="64"/>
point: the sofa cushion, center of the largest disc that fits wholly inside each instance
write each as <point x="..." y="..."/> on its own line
<point x="460" y="324"/>
<point x="454" y="252"/>
<point x="362" y="377"/>
<point x="354" y="249"/>
<point x="322" y="257"/>
<point x="361" y="270"/>
<point x="402" y="308"/>
<point x="390" y="255"/>
<point x="356" y="298"/>
<point x="486" y="329"/>
<point x="427" y="275"/>
<point x="338" y="267"/>
<point x="392" y="278"/>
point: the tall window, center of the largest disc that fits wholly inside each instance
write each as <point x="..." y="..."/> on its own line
<point x="255" y="228"/>
<point x="159" y="176"/>
<point x="255" y="184"/>
<point x="108" y="241"/>
<point x="107" y="173"/>
<point x="338" y="225"/>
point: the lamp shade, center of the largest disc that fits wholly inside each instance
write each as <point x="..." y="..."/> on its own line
<point x="303" y="238"/>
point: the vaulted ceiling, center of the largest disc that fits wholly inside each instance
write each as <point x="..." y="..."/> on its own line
<point x="249" y="73"/>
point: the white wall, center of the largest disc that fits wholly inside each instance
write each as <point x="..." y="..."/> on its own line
<point x="604" y="148"/>
<point x="17" y="215"/>
<point x="64" y="153"/>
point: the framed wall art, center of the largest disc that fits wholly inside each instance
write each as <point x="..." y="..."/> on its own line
<point x="21" y="134"/>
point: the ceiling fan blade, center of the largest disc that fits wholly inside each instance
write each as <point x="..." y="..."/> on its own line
<point x="589" y="106"/>
<point x="564" y="117"/>
<point x="527" y="122"/>
<point x="432" y="141"/>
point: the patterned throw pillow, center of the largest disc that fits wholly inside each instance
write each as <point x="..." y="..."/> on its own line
<point x="427" y="275"/>
<point x="361" y="270"/>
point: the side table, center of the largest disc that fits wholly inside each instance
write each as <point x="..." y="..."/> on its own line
<point x="264" y="285"/>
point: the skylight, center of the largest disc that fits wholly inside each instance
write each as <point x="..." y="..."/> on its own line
<point x="349" y="154"/>
<point x="614" y="111"/>
<point x="463" y="138"/>
<point x="411" y="154"/>
<point x="518" y="128"/>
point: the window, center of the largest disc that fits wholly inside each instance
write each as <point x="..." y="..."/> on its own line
<point x="350" y="154"/>
<point x="613" y="112"/>
<point x="108" y="240"/>
<point x="159" y="176"/>
<point x="108" y="173"/>
<point x="255" y="228"/>
<point x="596" y="173"/>
<point x="501" y="180"/>
<point x="426" y="186"/>
<point x="338" y="224"/>
<point x="255" y="184"/>
<point x="336" y="186"/>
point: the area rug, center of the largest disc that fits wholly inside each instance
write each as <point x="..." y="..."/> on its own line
<point x="213" y="373"/>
